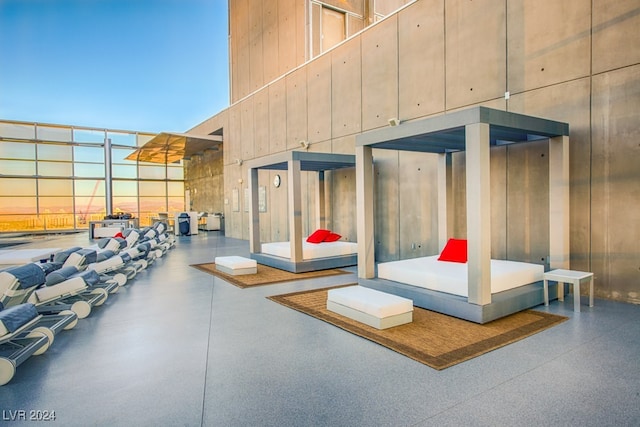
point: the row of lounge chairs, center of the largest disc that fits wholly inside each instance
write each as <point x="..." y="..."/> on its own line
<point x="39" y="300"/>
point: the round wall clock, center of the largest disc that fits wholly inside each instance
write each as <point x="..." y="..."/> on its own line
<point x="276" y="181"/>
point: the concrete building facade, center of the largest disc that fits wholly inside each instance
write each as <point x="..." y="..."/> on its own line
<point x="575" y="61"/>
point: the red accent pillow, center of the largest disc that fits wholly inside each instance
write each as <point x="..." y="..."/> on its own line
<point x="332" y="237"/>
<point x="119" y="234"/>
<point x="318" y="236"/>
<point x="454" y="251"/>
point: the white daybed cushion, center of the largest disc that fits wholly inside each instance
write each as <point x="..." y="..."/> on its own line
<point x="311" y="250"/>
<point x="451" y="277"/>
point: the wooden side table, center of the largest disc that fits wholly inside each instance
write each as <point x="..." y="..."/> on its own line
<point x="576" y="278"/>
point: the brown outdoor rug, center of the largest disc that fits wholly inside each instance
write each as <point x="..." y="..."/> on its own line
<point x="266" y="275"/>
<point x="435" y="339"/>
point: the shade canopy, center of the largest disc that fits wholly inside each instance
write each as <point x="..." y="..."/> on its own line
<point x="309" y="161"/>
<point x="447" y="133"/>
<point x="167" y="147"/>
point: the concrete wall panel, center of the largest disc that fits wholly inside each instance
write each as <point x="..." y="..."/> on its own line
<point x="498" y="188"/>
<point x="616" y="184"/>
<point x="256" y="58"/>
<point x="287" y="32"/>
<point x="233" y="138"/>
<point x="459" y="196"/>
<point x="344" y="145"/>
<point x="343" y="203"/>
<point x="233" y="219"/>
<point x="301" y="33"/>
<point x="279" y="208"/>
<point x="616" y="34"/>
<point x="421" y="59"/>
<point x="310" y="203"/>
<point x="543" y="55"/>
<point x="475" y="54"/>
<point x="385" y="7"/>
<point x="240" y="49"/>
<point x="380" y="74"/>
<point x="270" y="44"/>
<point x="261" y="123"/>
<point x="354" y="24"/>
<point x="346" y="89"/>
<point x="319" y="99"/>
<point x="528" y="202"/>
<point x="417" y="200"/>
<point x="296" y="83"/>
<point x="213" y="125"/>
<point x="569" y="102"/>
<point x="277" y="116"/>
<point x="246" y="129"/>
<point x="265" y="218"/>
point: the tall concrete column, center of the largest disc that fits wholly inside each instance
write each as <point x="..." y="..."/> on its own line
<point x="364" y="199"/>
<point x="444" y="198"/>
<point x="559" y="249"/>
<point x="321" y="215"/>
<point x="295" y="210"/>
<point x="478" y="213"/>
<point x="254" y="214"/>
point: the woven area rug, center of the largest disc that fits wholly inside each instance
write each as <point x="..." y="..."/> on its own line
<point x="435" y="339"/>
<point x="265" y="276"/>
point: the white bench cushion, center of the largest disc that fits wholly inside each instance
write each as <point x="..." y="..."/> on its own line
<point x="236" y="265"/>
<point x="370" y="301"/>
<point x="235" y="262"/>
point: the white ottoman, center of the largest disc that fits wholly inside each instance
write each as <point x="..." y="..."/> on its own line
<point x="374" y="308"/>
<point x="236" y="265"/>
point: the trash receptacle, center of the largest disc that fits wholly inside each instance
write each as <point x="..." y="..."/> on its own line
<point x="184" y="224"/>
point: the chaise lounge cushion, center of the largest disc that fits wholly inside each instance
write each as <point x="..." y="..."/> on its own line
<point x="27" y="275"/>
<point x="62" y="256"/>
<point x="60" y="275"/>
<point x="12" y="318"/>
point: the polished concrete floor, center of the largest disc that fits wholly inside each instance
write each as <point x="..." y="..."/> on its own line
<point x="180" y="347"/>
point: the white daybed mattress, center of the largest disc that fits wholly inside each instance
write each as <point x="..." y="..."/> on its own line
<point x="311" y="250"/>
<point x="451" y="277"/>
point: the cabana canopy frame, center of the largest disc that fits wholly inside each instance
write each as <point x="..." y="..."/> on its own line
<point x="294" y="162"/>
<point x="474" y="130"/>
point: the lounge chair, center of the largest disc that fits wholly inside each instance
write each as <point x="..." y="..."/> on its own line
<point x="27" y="283"/>
<point x="25" y="333"/>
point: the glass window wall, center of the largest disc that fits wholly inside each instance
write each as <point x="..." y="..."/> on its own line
<point x="63" y="153"/>
<point x="17" y="150"/>
<point x="17" y="167"/>
<point x="55" y="169"/>
<point x="54" y="178"/>
<point x="54" y="133"/>
<point x="83" y="153"/>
